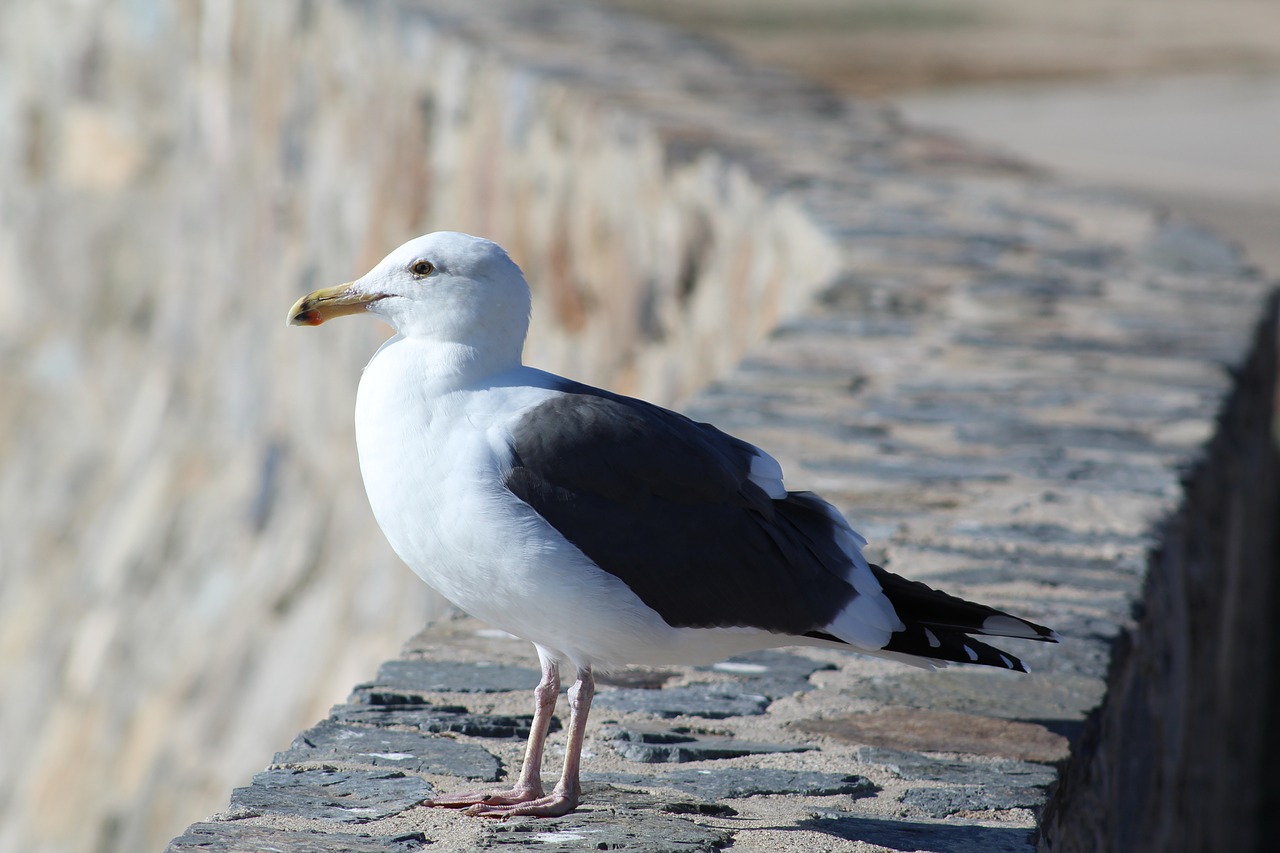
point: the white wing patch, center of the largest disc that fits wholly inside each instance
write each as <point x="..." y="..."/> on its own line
<point x="869" y="619"/>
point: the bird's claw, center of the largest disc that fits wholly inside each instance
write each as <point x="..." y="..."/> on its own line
<point x="552" y="805"/>
<point x="475" y="799"/>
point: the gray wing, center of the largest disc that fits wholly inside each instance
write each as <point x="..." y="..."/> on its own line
<point x="666" y="505"/>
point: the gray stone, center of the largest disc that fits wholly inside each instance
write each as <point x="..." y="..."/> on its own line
<point x="427" y="676"/>
<point x="713" y="702"/>
<point x="438" y="718"/>
<point x="945" y="801"/>
<point x="333" y="741"/>
<point x="698" y="807"/>
<point x="732" y="783"/>
<point x="910" y="468"/>
<point x="907" y="835"/>
<point x="1063" y="696"/>
<point x="345" y="796"/>
<point x="237" y="837"/>
<point x="622" y="824"/>
<point x="1185" y="248"/>
<point x="1012" y="433"/>
<point x="770" y="673"/>
<point x="942" y="731"/>
<point x="923" y="768"/>
<point x="761" y="677"/>
<point x="675" y="747"/>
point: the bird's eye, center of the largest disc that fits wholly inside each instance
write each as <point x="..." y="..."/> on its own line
<point x="421" y="268"/>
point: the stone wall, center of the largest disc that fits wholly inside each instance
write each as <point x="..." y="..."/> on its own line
<point x="1000" y="379"/>
<point x="190" y="570"/>
<point x="1187" y="726"/>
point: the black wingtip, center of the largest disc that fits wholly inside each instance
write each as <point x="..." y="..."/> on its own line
<point x="952" y="646"/>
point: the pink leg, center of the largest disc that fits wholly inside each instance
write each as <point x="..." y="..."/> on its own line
<point x="529" y="786"/>
<point x="568" y="791"/>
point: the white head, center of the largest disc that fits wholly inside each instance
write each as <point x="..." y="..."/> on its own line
<point x="447" y="287"/>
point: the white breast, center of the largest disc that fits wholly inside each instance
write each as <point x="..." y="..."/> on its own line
<point x="433" y="457"/>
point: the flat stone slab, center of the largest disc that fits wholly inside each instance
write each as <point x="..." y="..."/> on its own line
<point x="923" y="768"/>
<point x="760" y="678"/>
<point x="675" y="747"/>
<point x="438" y="718"/>
<point x="711" y="701"/>
<point x="1056" y="696"/>
<point x="945" y="801"/>
<point x="237" y="837"/>
<point x="619" y="825"/>
<point x="427" y="676"/>
<point x="770" y="673"/>
<point x="333" y="741"/>
<point x="345" y="796"/>
<point x="907" y="835"/>
<point x="734" y="783"/>
<point x="943" y="731"/>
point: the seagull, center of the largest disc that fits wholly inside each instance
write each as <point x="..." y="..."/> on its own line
<point x="603" y="529"/>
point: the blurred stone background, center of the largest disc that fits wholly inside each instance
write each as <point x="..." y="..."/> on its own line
<point x="188" y="571"/>
<point x="1176" y="102"/>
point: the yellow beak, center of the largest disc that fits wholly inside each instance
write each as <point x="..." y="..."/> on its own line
<point x="318" y="306"/>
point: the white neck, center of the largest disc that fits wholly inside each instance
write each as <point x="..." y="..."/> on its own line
<point x="442" y="366"/>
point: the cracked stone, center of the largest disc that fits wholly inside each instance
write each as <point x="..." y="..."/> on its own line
<point x="235" y="836"/>
<point x="438" y="718"/>
<point x="733" y="783"/>
<point x="333" y="741"/>
<point x="672" y="747"/>
<point x="427" y="676"/>
<point x="346" y="796"/>
<point x="945" y="801"/>
<point x="712" y="701"/>
<point x="921" y="768"/>
<point x="923" y="835"/>
<point x="942" y="731"/>
<point x="761" y="677"/>
<point x="618" y="825"/>
<point x="1057" y="696"/>
<point x="770" y="673"/>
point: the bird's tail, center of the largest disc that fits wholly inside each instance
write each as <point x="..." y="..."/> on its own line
<point x="938" y="625"/>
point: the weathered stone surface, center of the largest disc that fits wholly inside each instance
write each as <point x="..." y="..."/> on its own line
<point x="772" y="674"/>
<point x="333" y="741"/>
<point x="640" y="827"/>
<point x="924" y="768"/>
<point x="429" y="676"/>
<point x="731" y="783"/>
<point x="943" y="731"/>
<point x="759" y="678"/>
<point x="712" y="702"/>
<point x="438" y="718"/>
<point x="639" y="678"/>
<point x="988" y="341"/>
<point x="345" y="796"/>
<point x="675" y="747"/>
<point x="1051" y="696"/>
<point x="239" y="837"/>
<point x="908" y="835"/>
<point x="945" y="801"/>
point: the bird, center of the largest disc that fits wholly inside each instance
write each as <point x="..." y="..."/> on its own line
<point x="603" y="529"/>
